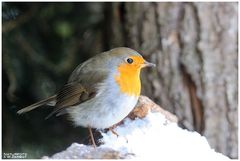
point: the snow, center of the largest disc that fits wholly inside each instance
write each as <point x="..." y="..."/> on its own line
<point x="153" y="137"/>
<point x="157" y="138"/>
<point x="80" y="151"/>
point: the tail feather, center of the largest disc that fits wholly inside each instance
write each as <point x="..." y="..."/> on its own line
<point x="49" y="100"/>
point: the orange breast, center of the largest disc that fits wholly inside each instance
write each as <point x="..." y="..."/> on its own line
<point x="128" y="79"/>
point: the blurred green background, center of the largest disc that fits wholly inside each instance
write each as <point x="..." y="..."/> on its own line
<point x="42" y="44"/>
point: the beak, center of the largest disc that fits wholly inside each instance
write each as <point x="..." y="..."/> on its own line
<point x="148" y="64"/>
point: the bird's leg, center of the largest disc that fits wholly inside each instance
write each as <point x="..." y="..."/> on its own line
<point x="92" y="138"/>
<point x="114" y="132"/>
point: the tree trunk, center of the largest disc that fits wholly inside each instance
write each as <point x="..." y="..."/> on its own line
<point x="195" y="48"/>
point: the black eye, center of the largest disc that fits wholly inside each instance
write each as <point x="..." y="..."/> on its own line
<point x="129" y="60"/>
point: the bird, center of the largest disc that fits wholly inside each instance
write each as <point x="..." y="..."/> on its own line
<point x="101" y="91"/>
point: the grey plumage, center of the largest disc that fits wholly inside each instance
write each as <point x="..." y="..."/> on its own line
<point x="84" y="80"/>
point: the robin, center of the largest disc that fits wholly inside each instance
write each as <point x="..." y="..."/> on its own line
<point x="101" y="91"/>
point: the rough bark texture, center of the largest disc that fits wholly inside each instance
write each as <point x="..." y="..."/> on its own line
<point x="145" y="105"/>
<point x="195" y="48"/>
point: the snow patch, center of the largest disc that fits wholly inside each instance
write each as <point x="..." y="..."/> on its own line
<point x="155" y="137"/>
<point x="152" y="137"/>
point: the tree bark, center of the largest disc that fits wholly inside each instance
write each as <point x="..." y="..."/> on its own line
<point x="195" y="48"/>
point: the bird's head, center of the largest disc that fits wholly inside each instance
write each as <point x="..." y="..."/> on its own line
<point x="128" y="64"/>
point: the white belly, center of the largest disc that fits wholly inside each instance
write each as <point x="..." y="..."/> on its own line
<point x="104" y="110"/>
<point x="102" y="115"/>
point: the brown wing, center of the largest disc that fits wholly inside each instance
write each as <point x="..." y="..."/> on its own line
<point x="78" y="92"/>
<point x="82" y="84"/>
<point x="71" y="94"/>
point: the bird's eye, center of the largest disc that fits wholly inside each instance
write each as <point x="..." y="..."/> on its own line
<point x="129" y="60"/>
